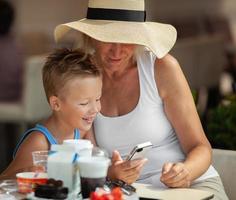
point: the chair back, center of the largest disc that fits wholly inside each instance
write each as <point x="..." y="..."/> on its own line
<point x="202" y="60"/>
<point x="225" y="163"/>
<point x="33" y="106"/>
<point x="34" y="98"/>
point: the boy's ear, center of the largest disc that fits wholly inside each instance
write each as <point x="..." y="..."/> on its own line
<point x="54" y="103"/>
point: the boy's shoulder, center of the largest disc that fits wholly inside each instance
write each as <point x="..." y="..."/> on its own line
<point x="36" y="139"/>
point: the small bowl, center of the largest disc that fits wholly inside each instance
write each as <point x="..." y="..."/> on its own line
<point x="26" y="180"/>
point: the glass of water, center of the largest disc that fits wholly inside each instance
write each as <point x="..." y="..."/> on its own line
<point x="40" y="159"/>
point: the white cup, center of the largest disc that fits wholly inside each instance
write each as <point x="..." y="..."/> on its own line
<point x="83" y="147"/>
<point x="93" y="172"/>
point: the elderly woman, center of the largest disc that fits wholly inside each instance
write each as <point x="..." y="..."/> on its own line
<point x="145" y="97"/>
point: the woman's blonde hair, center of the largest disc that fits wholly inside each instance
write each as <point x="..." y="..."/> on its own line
<point x="87" y="46"/>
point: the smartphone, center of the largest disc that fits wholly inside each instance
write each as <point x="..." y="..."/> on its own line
<point x="139" y="151"/>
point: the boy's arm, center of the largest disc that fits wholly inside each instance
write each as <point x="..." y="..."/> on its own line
<point x="23" y="160"/>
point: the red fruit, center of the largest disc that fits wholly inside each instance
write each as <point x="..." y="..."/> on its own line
<point x="108" y="197"/>
<point x="102" y="197"/>
<point x="94" y="196"/>
<point x="117" y="193"/>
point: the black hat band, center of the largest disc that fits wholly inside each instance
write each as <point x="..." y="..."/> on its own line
<point x="116" y="14"/>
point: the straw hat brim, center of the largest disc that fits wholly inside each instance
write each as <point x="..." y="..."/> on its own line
<point x="158" y="37"/>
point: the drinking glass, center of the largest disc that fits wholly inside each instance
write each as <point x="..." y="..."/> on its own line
<point x="93" y="172"/>
<point x="40" y="159"/>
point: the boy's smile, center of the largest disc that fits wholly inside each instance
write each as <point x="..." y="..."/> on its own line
<point x="79" y="101"/>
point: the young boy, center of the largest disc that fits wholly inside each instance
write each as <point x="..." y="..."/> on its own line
<point x="73" y="87"/>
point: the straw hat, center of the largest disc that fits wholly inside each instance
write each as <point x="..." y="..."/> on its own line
<point x="122" y="21"/>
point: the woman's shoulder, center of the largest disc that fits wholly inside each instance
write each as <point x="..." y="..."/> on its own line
<point x="168" y="70"/>
<point x="167" y="67"/>
<point x="167" y="62"/>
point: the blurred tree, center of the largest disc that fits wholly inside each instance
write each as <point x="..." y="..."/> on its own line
<point x="221" y="126"/>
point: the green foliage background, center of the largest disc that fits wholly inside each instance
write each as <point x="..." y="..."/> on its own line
<point x="221" y="125"/>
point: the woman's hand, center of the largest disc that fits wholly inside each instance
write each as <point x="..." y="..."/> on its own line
<point x="175" y="175"/>
<point x="127" y="171"/>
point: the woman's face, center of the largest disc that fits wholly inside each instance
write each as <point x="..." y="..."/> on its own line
<point x="79" y="102"/>
<point x="113" y="55"/>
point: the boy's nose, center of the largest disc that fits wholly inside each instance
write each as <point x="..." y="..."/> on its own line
<point x="95" y="107"/>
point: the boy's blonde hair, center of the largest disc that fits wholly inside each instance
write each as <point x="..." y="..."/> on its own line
<point x="64" y="64"/>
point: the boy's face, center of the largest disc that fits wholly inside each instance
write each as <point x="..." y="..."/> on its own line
<point x="79" y="102"/>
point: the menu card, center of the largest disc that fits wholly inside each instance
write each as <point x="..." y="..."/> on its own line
<point x="150" y="192"/>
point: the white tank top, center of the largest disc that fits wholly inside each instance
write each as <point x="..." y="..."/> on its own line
<point x="146" y="122"/>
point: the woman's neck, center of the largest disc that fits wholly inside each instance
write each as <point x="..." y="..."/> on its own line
<point x="116" y="74"/>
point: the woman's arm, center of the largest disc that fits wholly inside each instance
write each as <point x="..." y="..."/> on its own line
<point x="181" y="111"/>
<point x="23" y="159"/>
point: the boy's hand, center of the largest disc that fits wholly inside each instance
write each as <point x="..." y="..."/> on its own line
<point x="127" y="171"/>
<point x="175" y="175"/>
